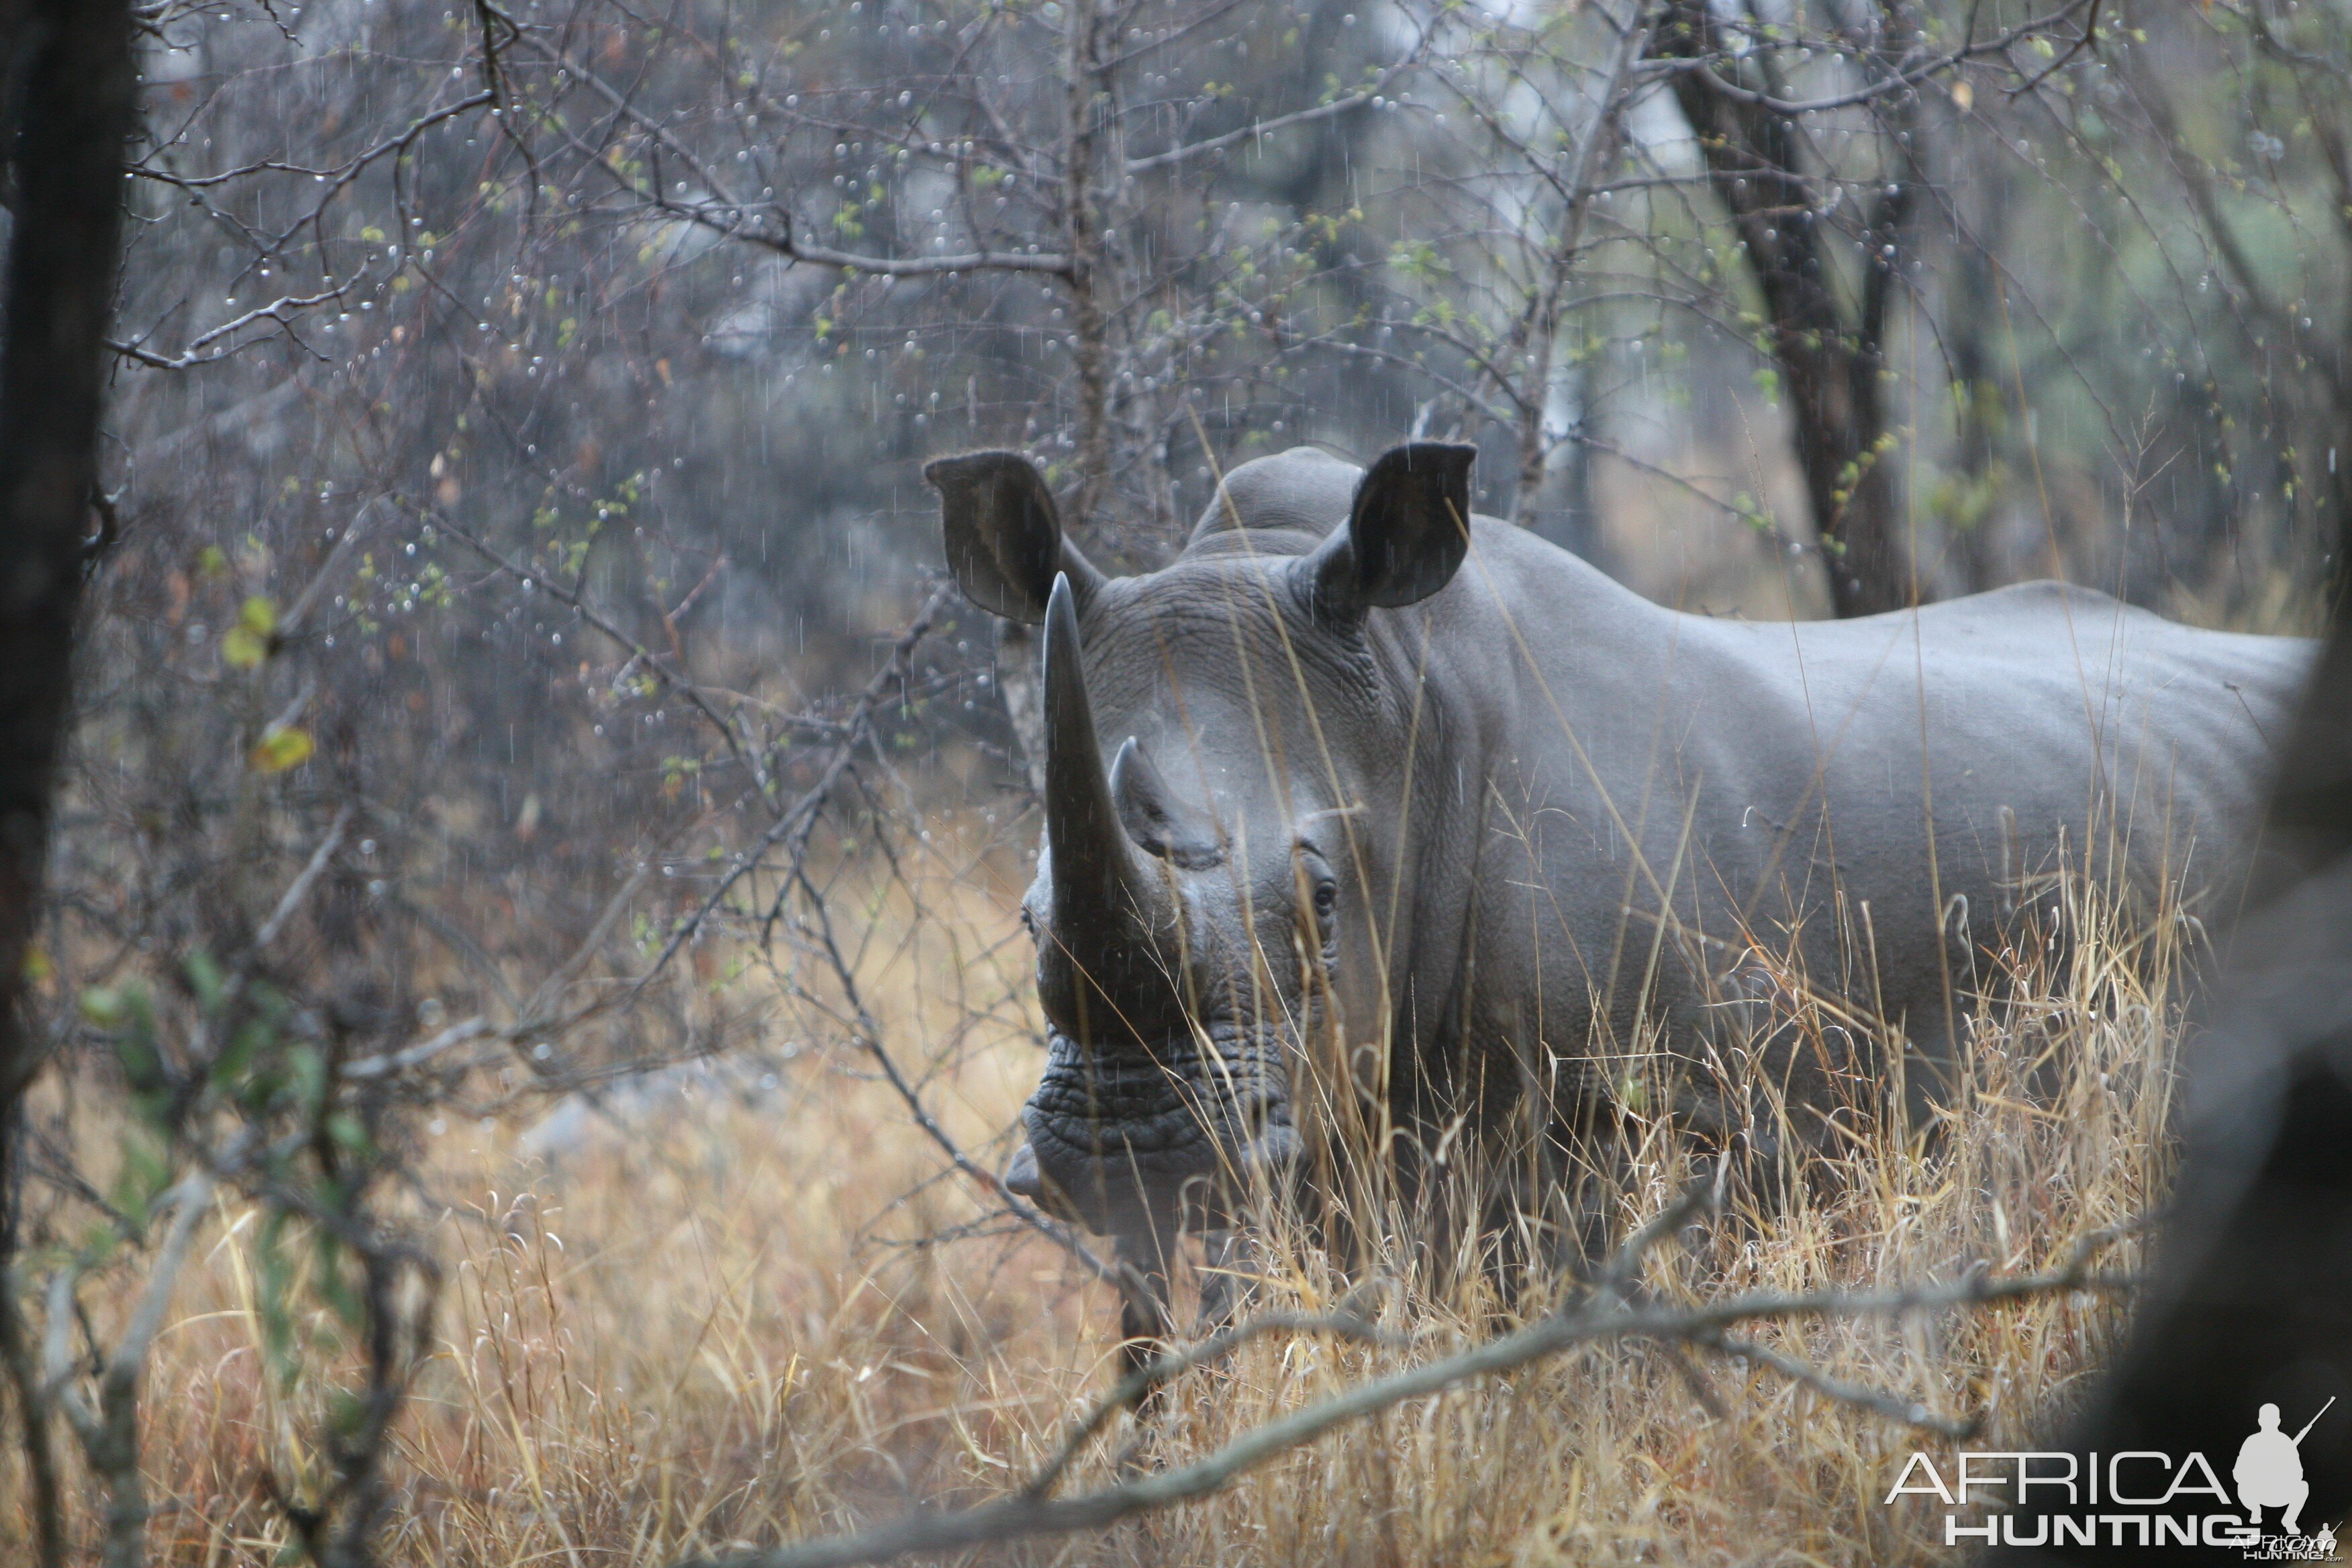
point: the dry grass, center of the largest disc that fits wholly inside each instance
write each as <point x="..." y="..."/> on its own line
<point x="719" y="1333"/>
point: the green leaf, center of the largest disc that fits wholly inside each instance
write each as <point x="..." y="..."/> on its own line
<point x="237" y="1058"/>
<point x="281" y="747"/>
<point x="142" y="1065"/>
<point x="308" y="1072"/>
<point x="204" y="978"/>
<point x="275" y="1275"/>
<point x="144" y="1175"/>
<point x="243" y="648"/>
<point x="346" y="1412"/>
<point x="348" y="1132"/>
<point x="104" y="1006"/>
<point x="332" y="1287"/>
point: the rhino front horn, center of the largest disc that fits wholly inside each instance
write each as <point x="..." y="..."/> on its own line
<point x="1100" y="887"/>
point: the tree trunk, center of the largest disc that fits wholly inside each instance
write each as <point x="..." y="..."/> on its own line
<point x="1831" y="368"/>
<point x="1538" y="337"/>
<point x="72" y="58"/>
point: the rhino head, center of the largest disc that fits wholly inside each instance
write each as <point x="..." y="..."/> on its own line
<point x="1228" y="766"/>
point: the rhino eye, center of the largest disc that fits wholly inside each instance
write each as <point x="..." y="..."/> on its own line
<point x="1326" y="898"/>
<point x="1029" y="923"/>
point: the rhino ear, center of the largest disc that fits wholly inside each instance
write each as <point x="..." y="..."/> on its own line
<point x="1406" y="534"/>
<point x="1004" y="535"/>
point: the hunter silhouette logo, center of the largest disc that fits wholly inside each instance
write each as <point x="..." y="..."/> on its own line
<point x="2269" y="1471"/>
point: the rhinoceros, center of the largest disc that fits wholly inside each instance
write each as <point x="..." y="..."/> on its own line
<point x="1365" y="802"/>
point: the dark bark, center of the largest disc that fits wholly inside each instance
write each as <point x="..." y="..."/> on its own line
<point x="1830" y="359"/>
<point x="68" y="94"/>
<point x="69" y="76"/>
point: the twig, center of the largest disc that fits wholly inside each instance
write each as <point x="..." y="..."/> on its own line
<point x="216" y="1018"/>
<point x="1910" y="1413"/>
<point x="1906" y="77"/>
<point x="739" y="221"/>
<point x="340" y="175"/>
<point x="587" y="612"/>
<point x="795" y="824"/>
<point x="300" y="888"/>
<point x="291" y="623"/>
<point x="400" y="1060"/>
<point x="1264" y="128"/>
<point x="193" y="354"/>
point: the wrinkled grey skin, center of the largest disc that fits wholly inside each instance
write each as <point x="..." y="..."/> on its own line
<point x="1323" y="788"/>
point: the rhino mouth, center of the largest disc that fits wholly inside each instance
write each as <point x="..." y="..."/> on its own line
<point x="1158" y="1141"/>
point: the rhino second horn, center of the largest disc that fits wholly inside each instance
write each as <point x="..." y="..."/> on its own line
<point x="1101" y="884"/>
<point x="1154" y="818"/>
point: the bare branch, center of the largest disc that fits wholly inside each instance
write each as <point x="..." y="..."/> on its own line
<point x="300" y="888"/>
<point x="1264" y="128"/>
<point x="767" y="225"/>
<point x="868" y="1038"/>
<point x="281" y="311"/>
<point x="1902" y="77"/>
<point x="400" y="1061"/>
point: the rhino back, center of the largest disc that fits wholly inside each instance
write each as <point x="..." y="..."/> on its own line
<point x="1663" y="793"/>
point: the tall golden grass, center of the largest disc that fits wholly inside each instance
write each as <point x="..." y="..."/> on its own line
<point x="749" y="1321"/>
